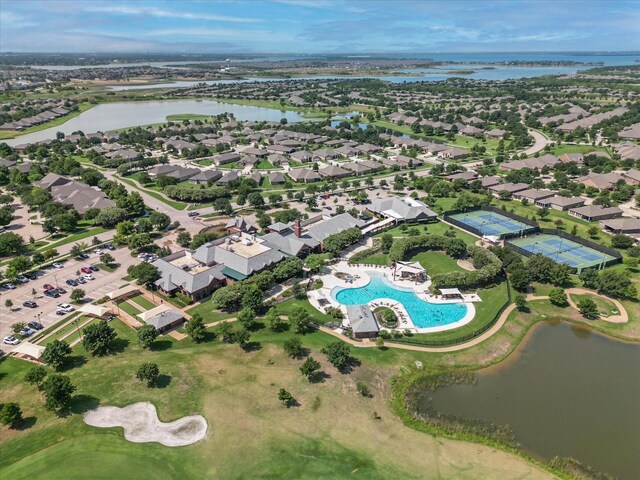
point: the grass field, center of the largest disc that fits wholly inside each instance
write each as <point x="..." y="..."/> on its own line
<point x="437" y="228"/>
<point x="331" y="434"/>
<point x="143" y="302"/>
<point x="605" y="307"/>
<point x="436" y="262"/>
<point x="130" y="309"/>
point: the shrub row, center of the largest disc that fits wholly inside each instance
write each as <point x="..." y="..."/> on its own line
<point x="187" y="194"/>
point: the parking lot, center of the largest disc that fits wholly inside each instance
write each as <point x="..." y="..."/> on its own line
<point x="45" y="313"/>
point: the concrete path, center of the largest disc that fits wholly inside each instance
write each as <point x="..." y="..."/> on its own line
<point x="540" y="142"/>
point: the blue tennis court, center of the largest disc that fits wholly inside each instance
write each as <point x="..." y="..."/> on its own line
<point x="491" y="223"/>
<point x="563" y="250"/>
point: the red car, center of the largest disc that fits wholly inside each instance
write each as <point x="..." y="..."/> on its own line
<point x="86" y="270"/>
<point x="49" y="287"/>
<point x="61" y="290"/>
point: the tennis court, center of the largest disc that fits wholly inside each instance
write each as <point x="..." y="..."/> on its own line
<point x="563" y="250"/>
<point x="491" y="223"/>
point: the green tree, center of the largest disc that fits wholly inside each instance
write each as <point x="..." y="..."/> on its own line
<point x="293" y="347"/>
<point x="225" y="331"/>
<point x="98" y="338"/>
<point x="593" y="231"/>
<point x="77" y="294"/>
<point x="520" y="301"/>
<point x="148" y="372"/>
<point x="520" y="279"/>
<point x="242" y="337"/>
<point x="558" y="297"/>
<point x="588" y="308"/>
<point x="11" y="414"/>
<point x="9" y="304"/>
<point x="144" y="273"/>
<point x="184" y="239"/>
<point x="107" y="258"/>
<point x="621" y="241"/>
<point x="35" y="376"/>
<point x="286" y="398"/>
<point x="315" y="262"/>
<point x="300" y="320"/>
<point x="56" y="354"/>
<point x="147" y="334"/>
<point x="617" y="284"/>
<point x="247" y="317"/>
<point x="386" y="242"/>
<point x="273" y="320"/>
<point x="338" y="353"/>
<point x="196" y="329"/>
<point x="310" y="368"/>
<point x="57" y="391"/>
<point x="252" y="298"/>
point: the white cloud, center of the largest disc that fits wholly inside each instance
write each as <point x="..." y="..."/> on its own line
<point x="157" y="12"/>
<point x="14" y="20"/>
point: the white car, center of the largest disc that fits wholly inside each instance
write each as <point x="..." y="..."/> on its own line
<point x="98" y="251"/>
<point x="88" y="276"/>
<point x="11" y="340"/>
<point x="22" y="279"/>
<point x="9" y="286"/>
<point x="57" y="265"/>
<point x="66" y="307"/>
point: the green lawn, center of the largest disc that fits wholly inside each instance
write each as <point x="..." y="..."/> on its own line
<point x="76" y="237"/>
<point x="605" y="307"/>
<point x="64" y="330"/>
<point x="209" y="314"/>
<point x="264" y="165"/>
<point x="375" y="259"/>
<point x="285" y="308"/>
<point x="156" y="195"/>
<point x="436" y="262"/>
<point x="561" y="149"/>
<point x="130" y="309"/>
<point x="436" y="228"/>
<point x="143" y="302"/>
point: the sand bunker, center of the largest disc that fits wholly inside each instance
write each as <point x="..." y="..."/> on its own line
<point x="141" y="425"/>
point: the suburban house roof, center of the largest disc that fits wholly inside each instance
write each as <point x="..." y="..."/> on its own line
<point x="402" y="208"/>
<point x="362" y="319"/>
<point x="559" y="201"/>
<point x="591" y="211"/>
<point x="333" y="225"/>
<point x="601" y="181"/>
<point x="183" y="270"/>
<point x="164" y="319"/>
<point x="625" y="224"/>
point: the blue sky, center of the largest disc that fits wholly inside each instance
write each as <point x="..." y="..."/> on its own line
<point x="318" y="26"/>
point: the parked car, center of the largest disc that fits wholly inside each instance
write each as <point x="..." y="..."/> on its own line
<point x="85" y="270"/>
<point x="66" y="307"/>
<point x="94" y="268"/>
<point x="61" y="290"/>
<point x="30" y="304"/>
<point x="31" y="275"/>
<point x="60" y="312"/>
<point x="35" y="325"/>
<point x="88" y="277"/>
<point x="22" y="279"/>
<point x="48" y="286"/>
<point x="9" y="286"/>
<point x="27" y="332"/>
<point x="10" y="340"/>
<point x="193" y="214"/>
<point x="109" y="246"/>
<point x="71" y="282"/>
<point x="84" y="256"/>
<point x="98" y="251"/>
<point x="52" y="293"/>
<point x="57" y="265"/>
<point x="81" y="280"/>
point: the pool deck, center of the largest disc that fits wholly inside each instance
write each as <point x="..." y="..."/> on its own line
<point x="360" y="278"/>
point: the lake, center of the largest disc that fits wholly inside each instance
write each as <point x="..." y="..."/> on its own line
<point x="566" y="392"/>
<point x="112" y="116"/>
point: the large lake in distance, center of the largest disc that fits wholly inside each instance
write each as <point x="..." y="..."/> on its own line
<point x="112" y="116"/>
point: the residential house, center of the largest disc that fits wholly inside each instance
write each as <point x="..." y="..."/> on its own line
<point x="625" y="225"/>
<point x="402" y="209"/>
<point x="205" y="177"/>
<point x="560" y="203"/>
<point x="592" y="213"/>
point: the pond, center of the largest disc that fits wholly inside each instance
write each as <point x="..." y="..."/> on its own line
<point x="112" y="116"/>
<point x="566" y="392"/>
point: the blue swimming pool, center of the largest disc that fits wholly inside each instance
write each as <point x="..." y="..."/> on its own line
<point x="423" y="314"/>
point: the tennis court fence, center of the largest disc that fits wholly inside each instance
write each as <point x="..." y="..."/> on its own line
<point x="617" y="257"/>
<point x="533" y="226"/>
